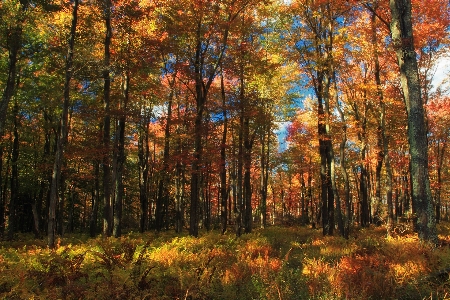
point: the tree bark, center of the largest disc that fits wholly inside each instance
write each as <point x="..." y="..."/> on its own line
<point x="143" y="154"/>
<point x="162" y="201"/>
<point x="107" y="205"/>
<point x="14" y="197"/>
<point x="402" y="36"/>
<point x="14" y="43"/>
<point x="95" y="200"/>
<point x="62" y="139"/>
<point x="120" y="156"/>
<point x="223" y="157"/>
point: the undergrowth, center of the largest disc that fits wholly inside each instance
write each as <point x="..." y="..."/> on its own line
<point x="274" y="263"/>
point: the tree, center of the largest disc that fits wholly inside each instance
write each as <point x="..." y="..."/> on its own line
<point x="62" y="138"/>
<point x="403" y="42"/>
<point x="107" y="200"/>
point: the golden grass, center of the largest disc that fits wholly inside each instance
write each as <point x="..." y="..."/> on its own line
<point x="275" y="263"/>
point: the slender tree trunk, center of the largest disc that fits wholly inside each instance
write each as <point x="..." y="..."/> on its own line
<point x="326" y="154"/>
<point x="441" y="147"/>
<point x="402" y="36"/>
<point x="323" y="166"/>
<point x="2" y="198"/>
<point x="265" y="152"/>
<point x="14" y="43"/>
<point x="381" y="136"/>
<point x="240" y="204"/>
<point x="107" y="205"/>
<point x="248" y="145"/>
<point x="162" y="202"/>
<point x="14" y="196"/>
<point x="223" y="169"/>
<point x="180" y="182"/>
<point x="95" y="200"/>
<point x="363" y="175"/>
<point x="62" y="139"/>
<point x="196" y="169"/>
<point x="390" y="204"/>
<point x="201" y="96"/>
<point x="143" y="154"/>
<point x="120" y="156"/>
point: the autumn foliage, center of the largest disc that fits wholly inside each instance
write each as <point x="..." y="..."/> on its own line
<point x="276" y="263"/>
<point x="241" y="122"/>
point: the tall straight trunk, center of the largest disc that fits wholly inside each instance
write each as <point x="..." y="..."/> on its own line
<point x="95" y="200"/>
<point x="143" y="154"/>
<point x="389" y="200"/>
<point x="248" y="145"/>
<point x="240" y="204"/>
<point x="364" y="189"/>
<point x="180" y="183"/>
<point x="120" y="156"/>
<point x="361" y="118"/>
<point x="62" y="139"/>
<point x="14" y="196"/>
<point x="196" y="164"/>
<point x="201" y="91"/>
<point x="265" y="152"/>
<point x="207" y="198"/>
<point x="326" y="154"/>
<point x="107" y="205"/>
<point x="343" y="165"/>
<point x="60" y="206"/>
<point x="223" y="169"/>
<point x="440" y="156"/>
<point x="2" y="198"/>
<point x="402" y="36"/>
<point x="162" y="202"/>
<point x="381" y="135"/>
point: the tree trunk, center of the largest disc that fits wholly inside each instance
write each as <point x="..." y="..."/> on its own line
<point x="441" y="147"/>
<point x="381" y="136"/>
<point x="143" y="154"/>
<point x="120" y="156"/>
<point x="247" y="188"/>
<point x="14" y="197"/>
<point x="326" y="154"/>
<point x="95" y="200"/>
<point x="14" y="42"/>
<point x="265" y="152"/>
<point x="62" y="139"/>
<point x="402" y="36"/>
<point x="162" y="202"/>
<point x="107" y="205"/>
<point x="223" y="169"/>
<point x="196" y="167"/>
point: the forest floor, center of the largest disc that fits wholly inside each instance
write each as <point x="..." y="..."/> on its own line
<point x="272" y="263"/>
